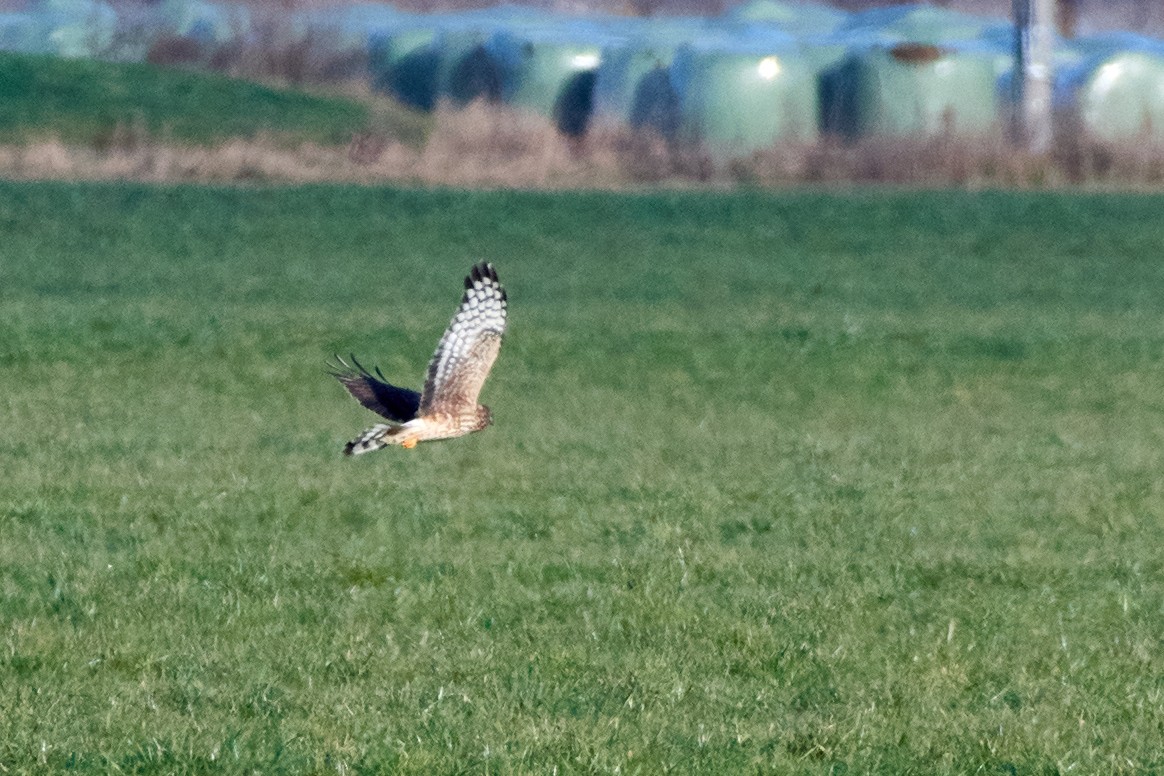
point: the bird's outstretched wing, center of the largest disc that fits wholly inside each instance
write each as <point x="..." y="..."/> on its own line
<point x="378" y="395"/>
<point x="469" y="346"/>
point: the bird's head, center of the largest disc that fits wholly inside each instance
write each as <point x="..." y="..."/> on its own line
<point x="484" y="416"/>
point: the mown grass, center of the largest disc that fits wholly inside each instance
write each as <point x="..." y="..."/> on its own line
<point x="91" y="102"/>
<point x="779" y="483"/>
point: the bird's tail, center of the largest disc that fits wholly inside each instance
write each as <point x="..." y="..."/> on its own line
<point x="383" y="435"/>
<point x="379" y="435"/>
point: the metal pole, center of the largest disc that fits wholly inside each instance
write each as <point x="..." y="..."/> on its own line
<point x="1034" y="24"/>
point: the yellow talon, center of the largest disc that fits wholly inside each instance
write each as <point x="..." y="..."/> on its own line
<point x="409" y="443"/>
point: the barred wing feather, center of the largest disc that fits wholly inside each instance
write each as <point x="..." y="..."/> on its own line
<point x="469" y="346"/>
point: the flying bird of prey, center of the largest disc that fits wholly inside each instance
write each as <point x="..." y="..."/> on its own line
<point x="447" y="407"/>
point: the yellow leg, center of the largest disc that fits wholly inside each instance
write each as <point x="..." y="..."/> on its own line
<point x="409" y="443"/>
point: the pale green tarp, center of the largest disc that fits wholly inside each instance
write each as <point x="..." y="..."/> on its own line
<point x="1115" y="97"/>
<point x="746" y="96"/>
<point x="797" y="18"/>
<point x="205" y="22"/>
<point x="632" y="72"/>
<point x="76" y="28"/>
<point x="921" y="23"/>
<point x="910" y="90"/>
<point x="551" y="70"/>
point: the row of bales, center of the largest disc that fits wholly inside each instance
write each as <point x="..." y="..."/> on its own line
<point x="767" y="72"/>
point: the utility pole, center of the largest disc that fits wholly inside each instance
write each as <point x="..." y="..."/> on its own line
<point x="1034" y="25"/>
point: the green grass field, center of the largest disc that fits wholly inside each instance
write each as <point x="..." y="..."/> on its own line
<point x="88" y="101"/>
<point x="779" y="483"/>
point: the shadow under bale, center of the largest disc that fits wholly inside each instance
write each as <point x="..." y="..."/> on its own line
<point x="412" y="80"/>
<point x="656" y="105"/>
<point x="476" y="76"/>
<point x="575" y="105"/>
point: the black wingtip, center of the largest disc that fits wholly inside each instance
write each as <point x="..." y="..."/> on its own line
<point x="351" y="369"/>
<point x="482" y="270"/>
<point x="357" y="364"/>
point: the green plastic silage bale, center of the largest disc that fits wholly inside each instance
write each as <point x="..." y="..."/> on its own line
<point x="920" y="23"/>
<point x="465" y="71"/>
<point x="633" y="71"/>
<point x="1117" y="97"/>
<point x="913" y="89"/>
<point x="545" y="66"/>
<point x="468" y="68"/>
<point x="403" y="63"/>
<point x="739" y="100"/>
<point x="551" y="72"/>
<point x="77" y="28"/>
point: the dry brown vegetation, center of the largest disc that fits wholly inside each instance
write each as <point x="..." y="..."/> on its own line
<point x="272" y="50"/>
<point x="486" y="145"/>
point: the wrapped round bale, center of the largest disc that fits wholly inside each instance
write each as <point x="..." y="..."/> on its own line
<point x="744" y="95"/>
<point x="915" y="89"/>
<point x="551" y="71"/>
<point x="1115" y="96"/>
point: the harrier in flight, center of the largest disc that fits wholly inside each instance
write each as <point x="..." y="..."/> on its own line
<point x="447" y="407"/>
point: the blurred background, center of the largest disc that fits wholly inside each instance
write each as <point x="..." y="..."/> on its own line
<point x="761" y="90"/>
